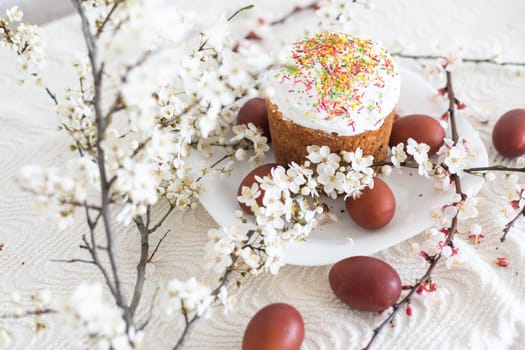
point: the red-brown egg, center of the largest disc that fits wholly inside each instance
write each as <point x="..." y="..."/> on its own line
<point x="375" y="208"/>
<point x="249" y="179"/>
<point x="508" y="135"/>
<point x="254" y="111"/>
<point x="275" y="327"/>
<point x="365" y="283"/>
<point x="420" y="127"/>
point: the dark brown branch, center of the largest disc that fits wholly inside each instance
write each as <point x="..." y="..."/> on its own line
<point x="141" y="266"/>
<point x="161" y="221"/>
<point x="158" y="246"/>
<point x="71" y="261"/>
<point x="511" y="224"/>
<point x="52" y="95"/>
<point x="93" y="250"/>
<point x="452" y="107"/>
<point x="494" y="168"/>
<point x="469" y="60"/>
<point x="296" y="10"/>
<point x="97" y="71"/>
<point x="28" y="314"/>
<point x="107" y="19"/>
<point x="452" y="230"/>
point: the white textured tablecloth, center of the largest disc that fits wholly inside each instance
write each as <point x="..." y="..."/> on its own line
<point x="485" y="308"/>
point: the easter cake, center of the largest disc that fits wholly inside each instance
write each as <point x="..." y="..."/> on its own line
<point x="339" y="91"/>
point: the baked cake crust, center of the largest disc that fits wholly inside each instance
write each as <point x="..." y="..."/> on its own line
<point x="289" y="140"/>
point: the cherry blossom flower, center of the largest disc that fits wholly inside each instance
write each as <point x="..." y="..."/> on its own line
<point x="186" y="296"/>
<point x="24" y="40"/>
<point x="468" y="208"/>
<point x="317" y="154"/>
<point x="14" y="14"/>
<point x="249" y="195"/>
<point x="331" y="180"/>
<point x="358" y="162"/>
<point x="398" y="155"/>
<point x="419" y="151"/>
<point x="475" y="234"/>
<point x="451" y="61"/>
<point x="226" y="300"/>
<point x="456" y="157"/>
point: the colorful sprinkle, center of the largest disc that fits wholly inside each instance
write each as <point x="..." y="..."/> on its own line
<point x="339" y="68"/>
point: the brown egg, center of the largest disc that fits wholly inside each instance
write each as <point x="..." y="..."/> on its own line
<point x="375" y="208"/>
<point x="420" y="127"/>
<point x="249" y="179"/>
<point x="254" y="111"/>
<point x="275" y="327"/>
<point x="365" y="283"/>
<point x="508" y="135"/>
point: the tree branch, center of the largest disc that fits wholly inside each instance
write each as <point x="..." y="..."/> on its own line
<point x="107" y="19"/>
<point x="70" y="261"/>
<point x="97" y="73"/>
<point x="494" y="168"/>
<point x="52" y="95"/>
<point x="158" y="246"/>
<point x="161" y="221"/>
<point x="511" y="224"/>
<point x="452" y="230"/>
<point x="27" y="314"/>
<point x="141" y="266"/>
<point x="296" y="10"/>
<point x="469" y="60"/>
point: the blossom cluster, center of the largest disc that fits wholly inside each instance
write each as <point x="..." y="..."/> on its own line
<point x="289" y="209"/>
<point x="337" y="14"/>
<point x="510" y="195"/>
<point x="149" y="128"/>
<point x="89" y="310"/>
<point x="186" y="296"/>
<point x="452" y="159"/>
<point x="285" y="206"/>
<point x="346" y="173"/>
<point x="40" y="302"/>
<point x="23" y="39"/>
<point x="61" y="192"/>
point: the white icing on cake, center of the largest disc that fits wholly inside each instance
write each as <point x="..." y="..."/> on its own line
<point x="337" y="83"/>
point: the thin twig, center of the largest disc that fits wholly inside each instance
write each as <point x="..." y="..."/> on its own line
<point x="511" y="224"/>
<point x="245" y="8"/>
<point x="27" y="314"/>
<point x="161" y="221"/>
<point x="150" y="312"/>
<point x="107" y="19"/>
<point x="469" y="60"/>
<point x="220" y="160"/>
<point x="296" y="10"/>
<point x="494" y="168"/>
<point x="92" y="249"/>
<point x="158" y="246"/>
<point x="52" y="95"/>
<point x="70" y="261"/>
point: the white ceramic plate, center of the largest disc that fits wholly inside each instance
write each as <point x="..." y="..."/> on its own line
<point x="415" y="195"/>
